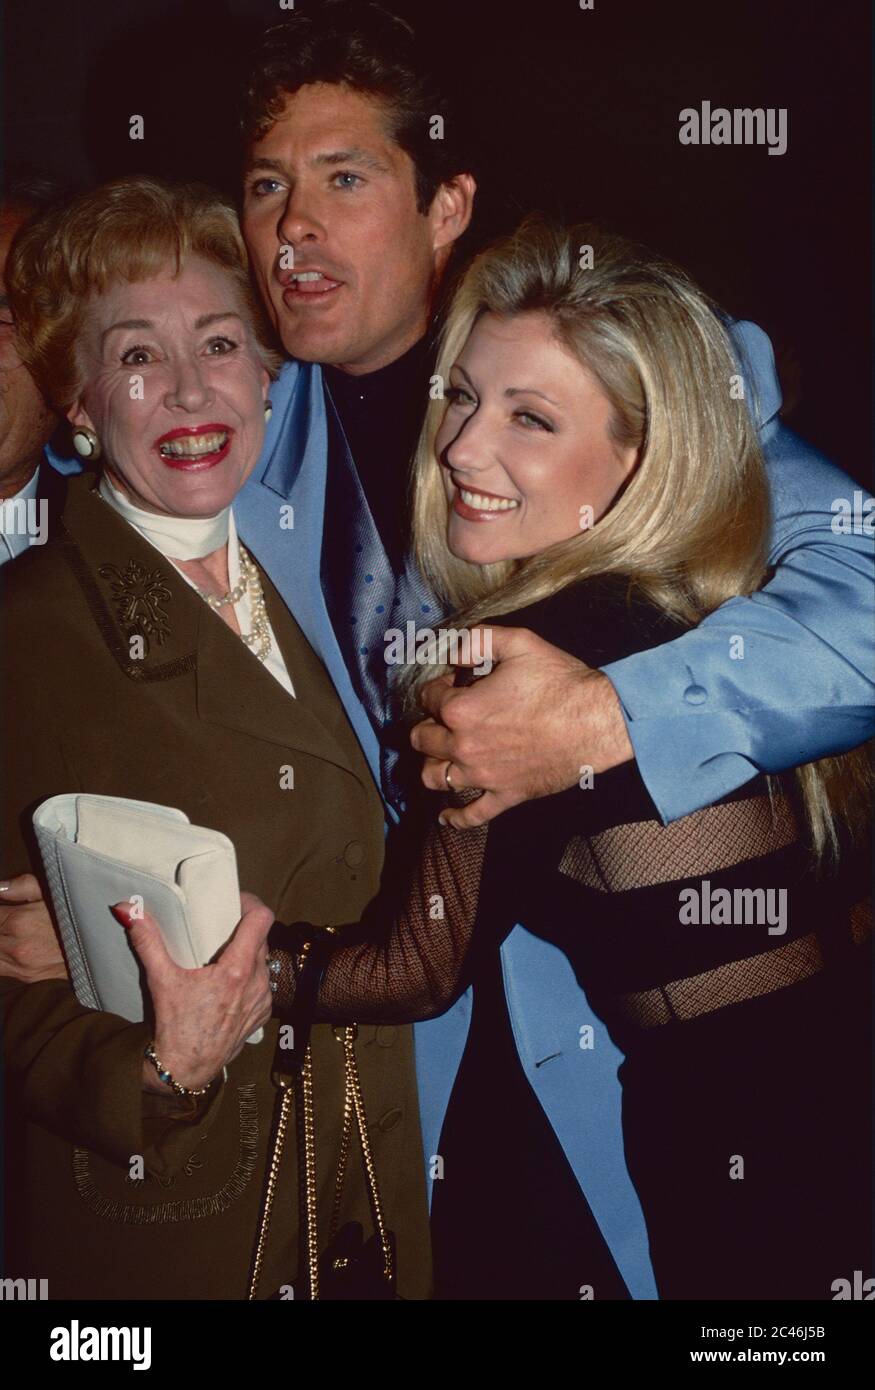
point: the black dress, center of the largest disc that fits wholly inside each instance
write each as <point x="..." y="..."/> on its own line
<point x="747" y="1041"/>
<point x="508" y="1219"/>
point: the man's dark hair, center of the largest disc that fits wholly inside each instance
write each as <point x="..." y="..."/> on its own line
<point x="366" y="48"/>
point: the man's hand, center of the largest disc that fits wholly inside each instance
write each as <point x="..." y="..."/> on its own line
<point x="525" y="730"/>
<point x="29" y="948"/>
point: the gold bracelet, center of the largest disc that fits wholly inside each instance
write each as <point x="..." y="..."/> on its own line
<point x="165" y="1076"/>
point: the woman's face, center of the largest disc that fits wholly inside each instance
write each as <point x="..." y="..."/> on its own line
<point x="524" y="443"/>
<point x="174" y="389"/>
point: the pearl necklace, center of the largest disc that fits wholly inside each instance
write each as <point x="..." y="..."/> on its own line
<point x="258" y="640"/>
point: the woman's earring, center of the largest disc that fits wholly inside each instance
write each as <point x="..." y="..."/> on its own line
<point x="86" y="443"/>
<point x="268" y="411"/>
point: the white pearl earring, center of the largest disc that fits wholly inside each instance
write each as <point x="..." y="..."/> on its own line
<point x="268" y="411"/>
<point x="86" y="443"/>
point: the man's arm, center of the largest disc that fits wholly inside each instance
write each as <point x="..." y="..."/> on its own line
<point x="29" y="948"/>
<point x="770" y="681"/>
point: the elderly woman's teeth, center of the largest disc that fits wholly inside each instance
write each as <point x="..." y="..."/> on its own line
<point x="487" y="504"/>
<point x="193" y="445"/>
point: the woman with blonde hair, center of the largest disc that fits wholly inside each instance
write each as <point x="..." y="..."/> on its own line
<point x="593" y="475"/>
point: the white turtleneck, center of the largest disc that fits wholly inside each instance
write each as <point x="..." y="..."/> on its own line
<point x="191" y="538"/>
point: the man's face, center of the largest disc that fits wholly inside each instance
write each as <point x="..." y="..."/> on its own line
<point x="26" y="422"/>
<point x="329" y="181"/>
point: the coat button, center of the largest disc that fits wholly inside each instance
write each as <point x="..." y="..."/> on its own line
<point x="695" y="694"/>
<point x="354" y="854"/>
<point x="385" y="1035"/>
<point x="390" y="1120"/>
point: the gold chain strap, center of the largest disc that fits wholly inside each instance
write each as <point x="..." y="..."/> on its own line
<point x="354" y="1087"/>
<point x="308" y="1128"/>
<point x="305" y="1118"/>
<point x="353" y="1106"/>
<point x="345" y="1140"/>
<point x="282" y="1120"/>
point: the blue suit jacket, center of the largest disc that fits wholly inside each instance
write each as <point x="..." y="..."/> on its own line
<point x="804" y="689"/>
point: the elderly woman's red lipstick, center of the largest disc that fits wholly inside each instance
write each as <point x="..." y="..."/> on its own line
<point x="194" y="448"/>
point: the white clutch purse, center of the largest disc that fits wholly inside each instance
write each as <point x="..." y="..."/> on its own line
<point x="100" y="850"/>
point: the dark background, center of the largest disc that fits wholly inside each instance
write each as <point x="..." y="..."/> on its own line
<point x="573" y="112"/>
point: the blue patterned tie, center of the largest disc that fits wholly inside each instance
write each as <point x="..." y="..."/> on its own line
<point x="364" y="598"/>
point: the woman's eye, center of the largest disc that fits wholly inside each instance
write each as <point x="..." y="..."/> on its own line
<point x="136" y="357"/>
<point x="220" y="347"/>
<point x="456" y="395"/>
<point x="348" y="180"/>
<point x="534" y="421"/>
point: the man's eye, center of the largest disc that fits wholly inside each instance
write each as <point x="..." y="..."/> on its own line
<point x="136" y="357"/>
<point x="262" y="188"/>
<point x="349" y="180"/>
<point x="456" y="395"/>
<point x="220" y="347"/>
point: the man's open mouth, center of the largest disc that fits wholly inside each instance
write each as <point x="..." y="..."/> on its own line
<point x="308" y="282"/>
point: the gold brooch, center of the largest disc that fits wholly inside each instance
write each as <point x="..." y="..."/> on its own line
<point x="138" y="594"/>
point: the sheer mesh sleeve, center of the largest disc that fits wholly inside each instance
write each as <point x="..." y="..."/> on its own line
<point x="631" y="855"/>
<point x="667" y="923"/>
<point x="412" y="947"/>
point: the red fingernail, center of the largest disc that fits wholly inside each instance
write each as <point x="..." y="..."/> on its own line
<point x="122" y="913"/>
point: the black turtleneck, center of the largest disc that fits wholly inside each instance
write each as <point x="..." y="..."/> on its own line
<point x="381" y="413"/>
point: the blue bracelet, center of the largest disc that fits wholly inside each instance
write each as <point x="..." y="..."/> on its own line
<point x="165" y="1076"/>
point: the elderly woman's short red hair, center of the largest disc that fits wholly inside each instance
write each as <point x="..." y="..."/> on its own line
<point x="129" y="230"/>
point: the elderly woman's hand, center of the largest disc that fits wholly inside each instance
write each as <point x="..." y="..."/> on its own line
<point x="203" y="1017"/>
<point x="29" y="948"/>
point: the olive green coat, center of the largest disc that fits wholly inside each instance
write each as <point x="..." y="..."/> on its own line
<point x="201" y="725"/>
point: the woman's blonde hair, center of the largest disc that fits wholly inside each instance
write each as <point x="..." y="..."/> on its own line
<point x="127" y="230"/>
<point x="690" y="528"/>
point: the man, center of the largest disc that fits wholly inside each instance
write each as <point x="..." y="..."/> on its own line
<point x="28" y="486"/>
<point x="348" y="226"/>
<point x="31" y="493"/>
<point x="352" y="301"/>
<point x="332" y="187"/>
<point x="350" y="213"/>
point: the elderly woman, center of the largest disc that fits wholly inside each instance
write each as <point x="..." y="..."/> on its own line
<point x="153" y="660"/>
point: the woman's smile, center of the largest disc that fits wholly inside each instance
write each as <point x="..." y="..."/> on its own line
<point x="523" y="412"/>
<point x="476" y="505"/>
<point x="195" y="448"/>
